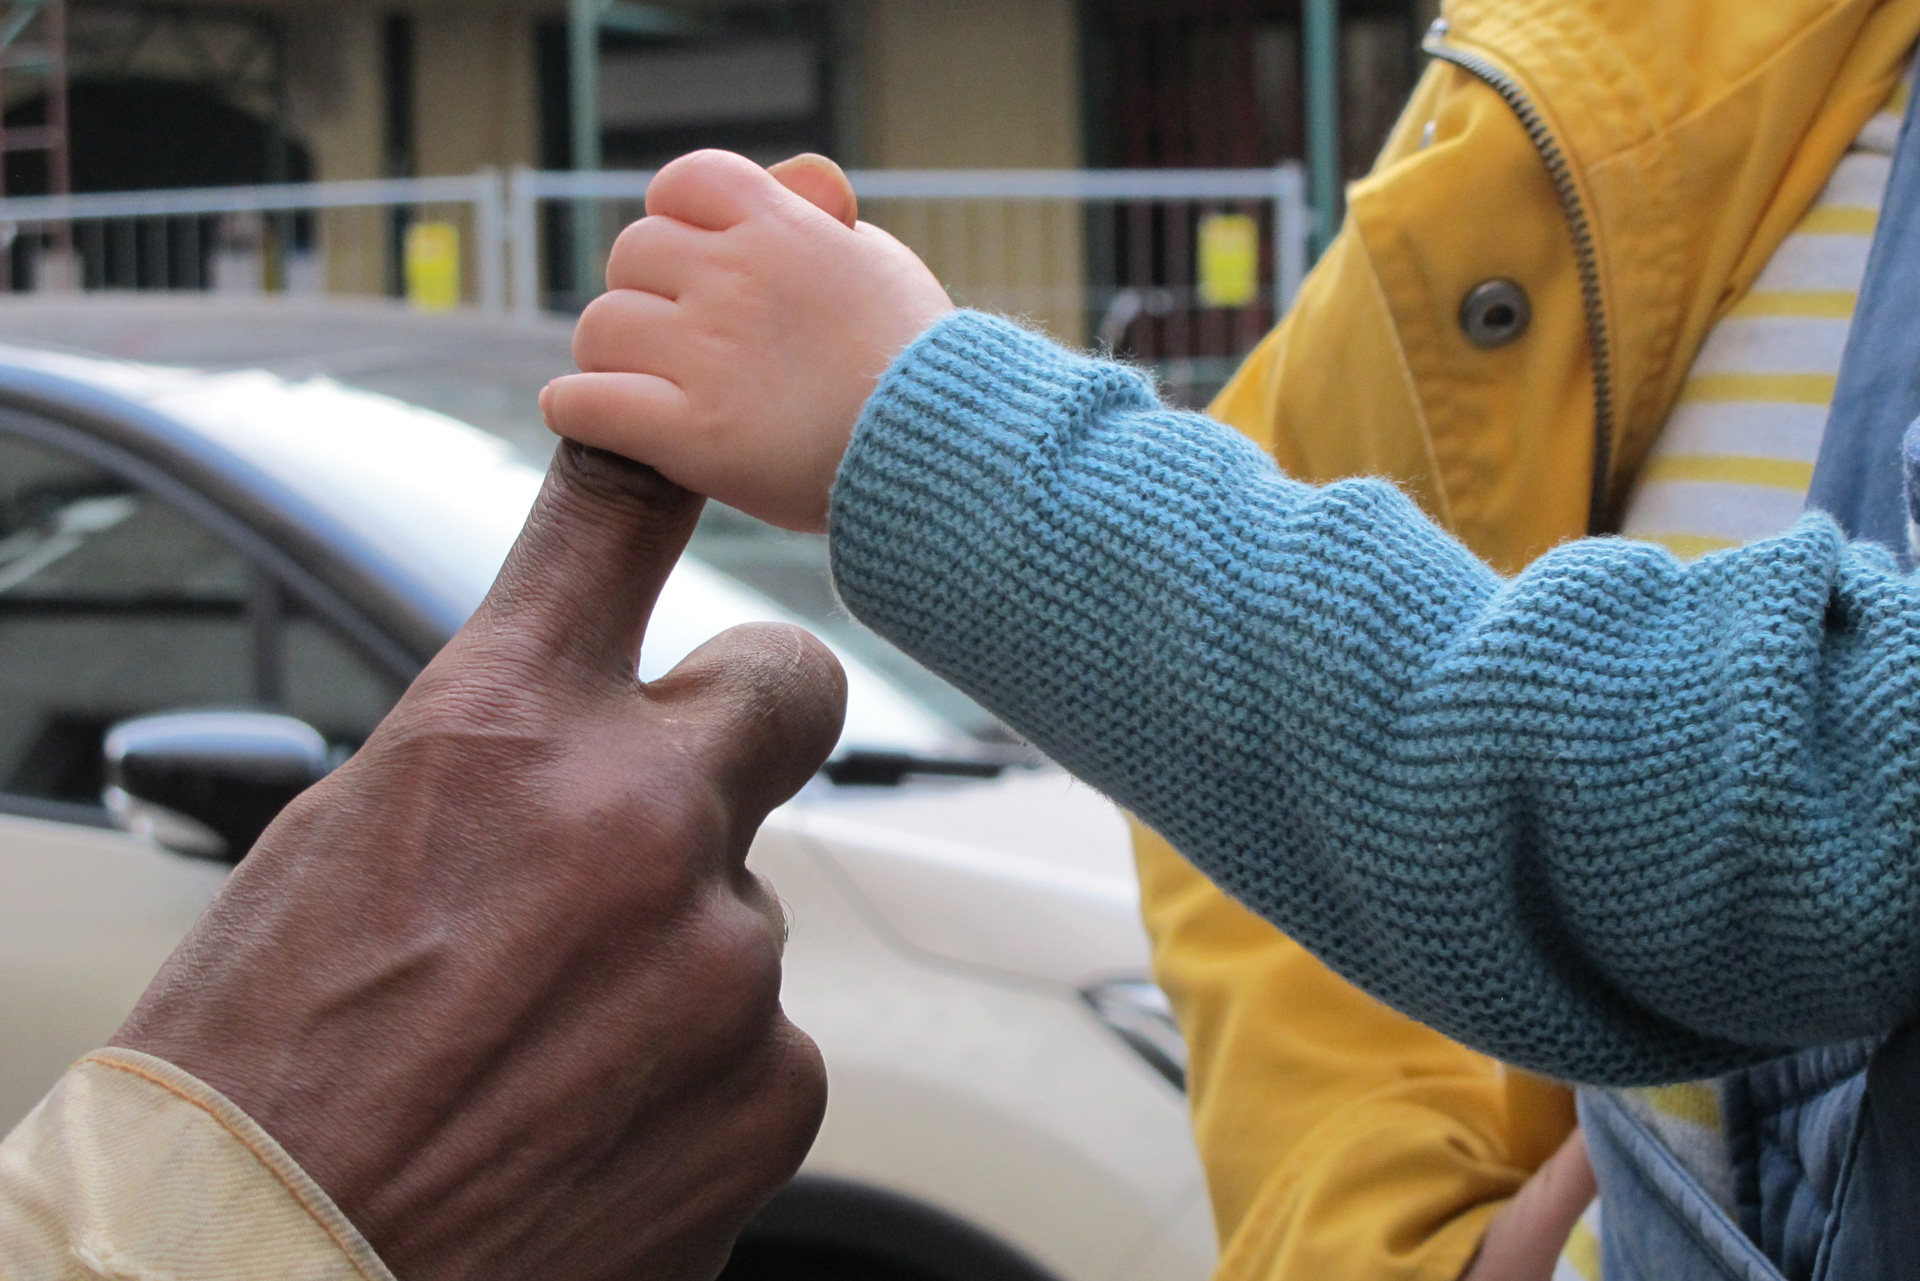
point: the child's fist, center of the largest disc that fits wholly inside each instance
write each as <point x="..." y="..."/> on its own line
<point x="744" y="327"/>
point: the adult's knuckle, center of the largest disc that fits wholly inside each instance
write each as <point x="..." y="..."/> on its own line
<point x="745" y="950"/>
<point x="793" y="1079"/>
<point x="669" y="852"/>
<point x="797" y="694"/>
<point x="760" y="707"/>
<point x="732" y="956"/>
<point x="778" y="670"/>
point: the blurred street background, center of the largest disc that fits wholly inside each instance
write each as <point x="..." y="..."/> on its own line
<point x="280" y="282"/>
<point x="1148" y="175"/>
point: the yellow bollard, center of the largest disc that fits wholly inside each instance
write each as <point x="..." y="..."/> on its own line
<point x="1229" y="260"/>
<point x="433" y="266"/>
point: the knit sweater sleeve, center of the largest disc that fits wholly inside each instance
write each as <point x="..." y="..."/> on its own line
<point x="1619" y="819"/>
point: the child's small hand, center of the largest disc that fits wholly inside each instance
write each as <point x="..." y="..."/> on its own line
<point x="743" y="330"/>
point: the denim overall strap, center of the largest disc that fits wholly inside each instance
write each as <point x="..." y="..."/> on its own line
<point x="1874" y="1231"/>
<point x="1656" y="1222"/>
<point x="1871" y="1231"/>
<point x="1826" y="1143"/>
<point x="1791" y="1129"/>
<point x="1858" y="477"/>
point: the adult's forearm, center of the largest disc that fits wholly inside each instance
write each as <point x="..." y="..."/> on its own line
<point x="1619" y="819"/>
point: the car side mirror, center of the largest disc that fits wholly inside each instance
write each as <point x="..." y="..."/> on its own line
<point x="206" y="784"/>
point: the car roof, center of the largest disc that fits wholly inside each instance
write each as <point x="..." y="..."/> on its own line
<point x="427" y="503"/>
<point x="481" y="369"/>
<point x="430" y="503"/>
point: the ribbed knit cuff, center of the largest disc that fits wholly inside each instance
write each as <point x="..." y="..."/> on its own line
<point x="960" y="409"/>
<point x="976" y="373"/>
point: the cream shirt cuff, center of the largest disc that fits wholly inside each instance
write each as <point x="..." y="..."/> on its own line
<point x="133" y="1170"/>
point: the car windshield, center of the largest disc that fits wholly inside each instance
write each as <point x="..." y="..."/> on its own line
<point x="792" y="570"/>
<point x="484" y="373"/>
<point x="503" y="399"/>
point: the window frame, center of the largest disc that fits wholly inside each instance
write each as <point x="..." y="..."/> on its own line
<point x="280" y="581"/>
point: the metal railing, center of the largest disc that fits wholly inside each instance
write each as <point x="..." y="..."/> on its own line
<point x="1117" y="258"/>
<point x="322" y="237"/>
<point x="1180" y="269"/>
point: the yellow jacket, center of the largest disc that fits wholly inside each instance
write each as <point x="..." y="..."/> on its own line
<point x="1632" y="167"/>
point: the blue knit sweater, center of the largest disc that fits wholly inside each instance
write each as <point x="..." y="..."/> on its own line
<point x="1619" y="819"/>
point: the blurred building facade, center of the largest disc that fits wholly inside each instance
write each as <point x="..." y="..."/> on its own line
<point x="184" y="93"/>
<point x="176" y="92"/>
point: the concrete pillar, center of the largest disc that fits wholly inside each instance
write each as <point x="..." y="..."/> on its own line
<point x="989" y="84"/>
<point x="985" y="84"/>
<point x="336" y="101"/>
<point x="475" y="98"/>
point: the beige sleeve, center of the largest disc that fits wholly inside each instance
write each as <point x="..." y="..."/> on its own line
<point x="133" y="1170"/>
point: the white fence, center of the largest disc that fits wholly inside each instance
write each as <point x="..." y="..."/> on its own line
<point x="323" y="237"/>
<point x="1183" y="269"/>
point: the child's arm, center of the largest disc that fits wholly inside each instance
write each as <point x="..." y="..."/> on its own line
<point x="1618" y="819"/>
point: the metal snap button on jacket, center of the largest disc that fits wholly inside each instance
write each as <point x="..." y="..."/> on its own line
<point x="1494" y="313"/>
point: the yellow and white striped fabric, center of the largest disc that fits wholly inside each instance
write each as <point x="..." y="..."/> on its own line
<point x="1734" y="464"/>
<point x="1737" y="454"/>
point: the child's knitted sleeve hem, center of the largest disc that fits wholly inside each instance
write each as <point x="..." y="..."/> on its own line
<point x="971" y="375"/>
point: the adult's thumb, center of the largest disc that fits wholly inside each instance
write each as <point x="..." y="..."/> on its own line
<point x="578" y="587"/>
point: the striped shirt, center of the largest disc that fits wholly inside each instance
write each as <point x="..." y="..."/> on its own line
<point x="1737" y="454"/>
<point x="1733" y="464"/>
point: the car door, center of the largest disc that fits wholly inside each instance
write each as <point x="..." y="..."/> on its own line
<point x="113" y="603"/>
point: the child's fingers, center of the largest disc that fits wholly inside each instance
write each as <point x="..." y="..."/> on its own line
<point x="713" y="189"/>
<point x="626" y="331"/>
<point x="1525" y="1240"/>
<point x="640" y="416"/>
<point x="821" y="183"/>
<point x="658" y="255"/>
<point x="882" y="236"/>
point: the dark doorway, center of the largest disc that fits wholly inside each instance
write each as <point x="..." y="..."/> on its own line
<point x="142" y="135"/>
<point x="146" y="135"/>
<point x="1208" y="84"/>
<point x="1218" y="83"/>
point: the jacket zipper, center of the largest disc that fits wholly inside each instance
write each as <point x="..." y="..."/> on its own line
<point x="1586" y="255"/>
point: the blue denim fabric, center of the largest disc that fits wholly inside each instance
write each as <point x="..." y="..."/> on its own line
<point x="1658" y="1223"/>
<point x="1874" y="1231"/>
<point x="1826" y="1148"/>
<point x="1790" y="1127"/>
<point x="1858" y="476"/>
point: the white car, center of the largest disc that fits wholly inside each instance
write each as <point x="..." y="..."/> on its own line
<point x="1006" y="1098"/>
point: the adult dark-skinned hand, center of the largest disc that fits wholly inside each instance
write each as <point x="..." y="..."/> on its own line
<point x="502" y="983"/>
